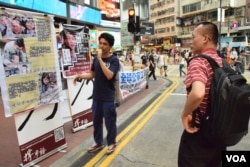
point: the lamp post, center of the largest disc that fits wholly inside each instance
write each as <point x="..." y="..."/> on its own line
<point x="230" y="5"/>
<point x="228" y="19"/>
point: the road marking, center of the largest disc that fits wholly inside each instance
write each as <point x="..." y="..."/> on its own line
<point x="134" y="126"/>
<point x="178" y="94"/>
<point x="150" y="110"/>
<point x="247" y="78"/>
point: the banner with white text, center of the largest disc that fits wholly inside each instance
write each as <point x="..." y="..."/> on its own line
<point x="132" y="82"/>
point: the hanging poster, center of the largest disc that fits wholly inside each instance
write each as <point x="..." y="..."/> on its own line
<point x="75" y="50"/>
<point x="29" y="68"/>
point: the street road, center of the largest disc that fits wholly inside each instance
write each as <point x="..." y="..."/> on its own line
<point x="152" y="138"/>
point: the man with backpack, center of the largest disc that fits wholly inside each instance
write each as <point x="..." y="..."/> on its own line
<point x="194" y="151"/>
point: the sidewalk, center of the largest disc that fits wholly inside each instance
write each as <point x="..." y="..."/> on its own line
<point x="76" y="142"/>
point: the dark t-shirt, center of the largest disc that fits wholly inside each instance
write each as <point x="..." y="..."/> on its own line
<point x="144" y="59"/>
<point x="223" y="55"/>
<point x="104" y="89"/>
<point x="151" y="58"/>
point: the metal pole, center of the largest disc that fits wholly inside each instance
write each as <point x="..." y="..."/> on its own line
<point x="68" y="12"/>
<point x="220" y="25"/>
<point x="228" y="19"/>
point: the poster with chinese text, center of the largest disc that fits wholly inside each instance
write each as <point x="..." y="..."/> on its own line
<point x="29" y="68"/>
<point x="40" y="133"/>
<point x="76" y="57"/>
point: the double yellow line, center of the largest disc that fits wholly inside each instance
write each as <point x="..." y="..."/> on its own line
<point x="132" y="129"/>
<point x="247" y="78"/>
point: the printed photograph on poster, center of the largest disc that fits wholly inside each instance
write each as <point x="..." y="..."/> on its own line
<point x="75" y="50"/>
<point x="49" y="91"/>
<point x="15" y="26"/>
<point x="15" y="59"/>
<point x="69" y="44"/>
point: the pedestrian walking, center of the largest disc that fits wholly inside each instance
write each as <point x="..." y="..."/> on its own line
<point x="182" y="65"/>
<point x="160" y="63"/>
<point x="104" y="69"/>
<point x="144" y="59"/>
<point x="193" y="149"/>
<point x="152" y="65"/>
<point x="166" y="61"/>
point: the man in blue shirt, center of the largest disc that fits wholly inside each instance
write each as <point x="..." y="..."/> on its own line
<point x="104" y="69"/>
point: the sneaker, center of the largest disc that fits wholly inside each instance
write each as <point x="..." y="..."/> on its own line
<point x="95" y="147"/>
<point x="111" y="149"/>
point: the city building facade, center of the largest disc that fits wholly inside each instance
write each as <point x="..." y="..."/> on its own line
<point x="164" y="13"/>
<point x="175" y="20"/>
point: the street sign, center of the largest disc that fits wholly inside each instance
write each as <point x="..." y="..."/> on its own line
<point x="147" y="28"/>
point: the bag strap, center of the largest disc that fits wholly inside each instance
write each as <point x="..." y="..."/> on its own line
<point x="211" y="61"/>
<point x="215" y="65"/>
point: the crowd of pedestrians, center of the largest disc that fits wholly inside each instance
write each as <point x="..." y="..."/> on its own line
<point x="235" y="57"/>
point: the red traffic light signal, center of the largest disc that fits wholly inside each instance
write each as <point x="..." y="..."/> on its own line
<point x="131" y="15"/>
<point x="131" y="20"/>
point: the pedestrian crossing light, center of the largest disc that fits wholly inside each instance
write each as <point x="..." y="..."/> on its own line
<point x="131" y="20"/>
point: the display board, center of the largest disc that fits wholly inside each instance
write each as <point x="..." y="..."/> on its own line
<point x="29" y="68"/>
<point x="75" y="50"/>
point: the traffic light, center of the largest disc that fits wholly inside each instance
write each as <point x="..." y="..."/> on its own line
<point x="131" y="20"/>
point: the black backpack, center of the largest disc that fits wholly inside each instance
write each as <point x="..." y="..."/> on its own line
<point x="226" y="119"/>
